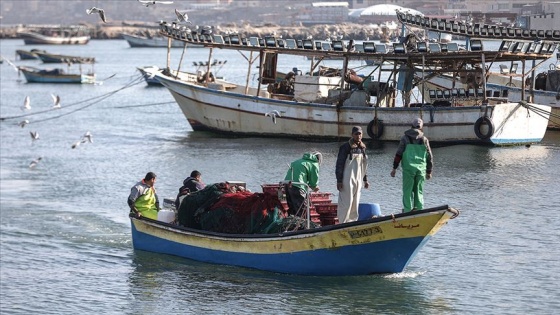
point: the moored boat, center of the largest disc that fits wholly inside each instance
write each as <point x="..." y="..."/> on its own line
<point x="146" y="73"/>
<point x="57" y="58"/>
<point x="34" y="38"/>
<point x="58" y="75"/>
<point x="28" y="54"/>
<point x="375" y="244"/>
<point x="326" y="107"/>
<point x="138" y="41"/>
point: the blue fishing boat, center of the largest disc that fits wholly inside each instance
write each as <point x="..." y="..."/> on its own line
<point x="147" y="75"/>
<point x="374" y="244"/>
<point x="58" y="75"/>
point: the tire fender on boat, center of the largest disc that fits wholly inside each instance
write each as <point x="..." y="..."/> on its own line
<point x="484" y="120"/>
<point x="375" y="128"/>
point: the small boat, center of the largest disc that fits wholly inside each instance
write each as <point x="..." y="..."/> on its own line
<point x="56" y="58"/>
<point x="35" y="38"/>
<point x="28" y="54"/>
<point x="147" y="75"/>
<point x="251" y="230"/>
<point x="58" y="75"/>
<point x="137" y="41"/>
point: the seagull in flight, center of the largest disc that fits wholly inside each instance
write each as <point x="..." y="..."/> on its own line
<point x="26" y="103"/>
<point x="273" y="114"/>
<point x="34" y="136"/>
<point x="182" y="17"/>
<point x="148" y="3"/>
<point x="87" y="138"/>
<point x="76" y="144"/>
<point x="23" y="123"/>
<point x="101" y="13"/>
<point x="35" y="162"/>
<point x="56" y="101"/>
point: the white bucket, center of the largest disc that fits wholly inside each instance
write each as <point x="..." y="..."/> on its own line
<point x="166" y="216"/>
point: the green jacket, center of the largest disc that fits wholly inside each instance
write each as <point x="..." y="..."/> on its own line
<point x="304" y="170"/>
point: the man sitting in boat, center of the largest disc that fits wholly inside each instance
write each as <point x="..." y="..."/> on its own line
<point x="143" y="199"/>
<point x="190" y="184"/>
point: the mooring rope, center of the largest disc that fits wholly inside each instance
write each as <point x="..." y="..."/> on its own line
<point x="555" y="118"/>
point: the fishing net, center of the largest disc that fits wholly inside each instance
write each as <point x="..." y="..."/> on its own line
<point x="217" y="209"/>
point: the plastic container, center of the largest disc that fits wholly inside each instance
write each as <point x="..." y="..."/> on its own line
<point x="166" y="216"/>
<point x="368" y="210"/>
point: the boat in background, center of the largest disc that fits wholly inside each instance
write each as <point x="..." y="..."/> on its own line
<point x="238" y="228"/>
<point x="55" y="36"/>
<point x="147" y="74"/>
<point x="57" y="75"/>
<point x="308" y="106"/>
<point x="28" y="54"/>
<point x="136" y="41"/>
<point x="56" y="58"/>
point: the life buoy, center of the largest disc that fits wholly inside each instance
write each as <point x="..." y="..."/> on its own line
<point x="484" y="120"/>
<point x="375" y="128"/>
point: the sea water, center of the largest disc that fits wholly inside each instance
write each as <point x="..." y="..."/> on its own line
<point x="65" y="244"/>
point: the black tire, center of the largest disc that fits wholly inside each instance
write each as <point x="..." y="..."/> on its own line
<point x="375" y="128"/>
<point x="484" y="120"/>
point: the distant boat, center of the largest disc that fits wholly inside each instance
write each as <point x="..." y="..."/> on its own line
<point x="58" y="75"/>
<point x="28" y="54"/>
<point x="148" y="76"/>
<point x="55" y="58"/>
<point x="34" y="38"/>
<point x="137" y="41"/>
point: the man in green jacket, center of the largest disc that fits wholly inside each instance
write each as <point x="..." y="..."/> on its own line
<point x="304" y="170"/>
<point x="416" y="155"/>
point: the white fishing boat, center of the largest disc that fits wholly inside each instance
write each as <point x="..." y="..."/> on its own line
<point x="326" y="107"/>
<point x="55" y="36"/>
<point x="511" y="80"/>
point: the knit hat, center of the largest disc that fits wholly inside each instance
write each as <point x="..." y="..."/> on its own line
<point x="356" y="129"/>
<point x="417" y="123"/>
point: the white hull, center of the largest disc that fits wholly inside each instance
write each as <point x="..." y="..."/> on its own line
<point x="226" y="109"/>
<point x="500" y="83"/>
<point x="31" y="38"/>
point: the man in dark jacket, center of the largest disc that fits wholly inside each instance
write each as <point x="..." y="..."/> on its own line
<point x="415" y="155"/>
<point x="190" y="184"/>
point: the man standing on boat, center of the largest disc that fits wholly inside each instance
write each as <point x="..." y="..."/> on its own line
<point x="304" y="170"/>
<point x="415" y="155"/>
<point x="143" y="199"/>
<point x="351" y="166"/>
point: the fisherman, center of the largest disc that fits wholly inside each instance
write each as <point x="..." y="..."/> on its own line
<point x="415" y="155"/>
<point x="143" y="199"/>
<point x="190" y="184"/>
<point x="306" y="171"/>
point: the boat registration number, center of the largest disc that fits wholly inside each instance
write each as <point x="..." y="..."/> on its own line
<point x="365" y="232"/>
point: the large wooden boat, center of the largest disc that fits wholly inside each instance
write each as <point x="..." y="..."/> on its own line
<point x="293" y="245"/>
<point x="58" y="75"/>
<point x="511" y="82"/>
<point x="326" y="107"/>
<point x="34" y="38"/>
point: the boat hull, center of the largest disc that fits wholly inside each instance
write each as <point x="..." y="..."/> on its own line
<point x="501" y="85"/>
<point x="55" y="58"/>
<point x="37" y="77"/>
<point x="380" y="245"/>
<point x="31" y="38"/>
<point x="223" y="109"/>
<point x="144" y="42"/>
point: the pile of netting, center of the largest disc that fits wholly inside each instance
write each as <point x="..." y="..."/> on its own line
<point x="224" y="209"/>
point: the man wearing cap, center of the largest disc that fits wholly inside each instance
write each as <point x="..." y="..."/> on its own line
<point x="351" y="165"/>
<point x="304" y="170"/>
<point x="415" y="155"/>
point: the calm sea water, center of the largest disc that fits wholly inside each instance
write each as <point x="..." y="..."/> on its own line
<point x="65" y="244"/>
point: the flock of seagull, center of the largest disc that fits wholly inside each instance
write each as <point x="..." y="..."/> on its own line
<point x="181" y="16"/>
<point x="86" y="138"/>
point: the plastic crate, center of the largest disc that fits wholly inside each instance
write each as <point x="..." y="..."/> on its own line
<point x="326" y="209"/>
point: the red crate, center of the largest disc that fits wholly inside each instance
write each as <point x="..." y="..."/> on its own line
<point x="271" y="188"/>
<point x="326" y="208"/>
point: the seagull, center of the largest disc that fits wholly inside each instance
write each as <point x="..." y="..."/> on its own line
<point x="26" y="104"/>
<point x="35" y="162"/>
<point x="34" y="136"/>
<point x="23" y="123"/>
<point x="148" y="3"/>
<point x="76" y="144"/>
<point x="97" y="10"/>
<point x="273" y="114"/>
<point x="56" y="101"/>
<point x="182" y="17"/>
<point x="87" y="138"/>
